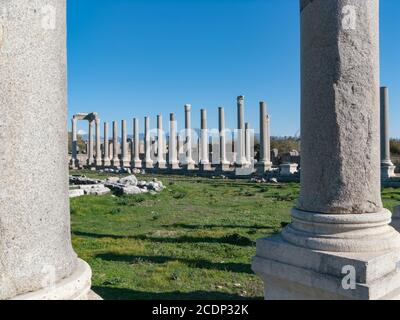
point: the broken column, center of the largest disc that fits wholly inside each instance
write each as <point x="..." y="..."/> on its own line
<point x="37" y="261"/>
<point x="136" y="162"/>
<point x="125" y="163"/>
<point x="188" y="161"/>
<point x="98" y="159"/>
<point x="172" y="146"/>
<point x="387" y="167"/>
<point x="147" y="144"/>
<point x="264" y="164"/>
<point x="161" y="163"/>
<point x="339" y="244"/>
<point x="115" y="159"/>
<point x="106" y="154"/>
<point x="240" y="142"/>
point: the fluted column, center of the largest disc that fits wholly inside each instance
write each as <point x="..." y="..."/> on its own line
<point x="98" y="159"/>
<point x="106" y="154"/>
<point x="265" y="163"/>
<point x="90" y="159"/>
<point x="172" y="145"/>
<point x="147" y="144"/>
<point x="115" y="159"/>
<point x="161" y="163"/>
<point x="37" y="261"/>
<point x="124" y="144"/>
<point x="387" y="167"/>
<point x="74" y="163"/>
<point x="188" y="162"/>
<point x="339" y="238"/>
<point x="136" y="162"/>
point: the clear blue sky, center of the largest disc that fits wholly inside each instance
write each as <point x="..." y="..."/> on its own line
<point x="131" y="58"/>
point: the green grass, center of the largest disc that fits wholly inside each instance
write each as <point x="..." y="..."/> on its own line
<point x="195" y="240"/>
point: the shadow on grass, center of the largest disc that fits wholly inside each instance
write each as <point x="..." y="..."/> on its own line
<point x="234" y="239"/>
<point x="198" y="263"/>
<point x="215" y="226"/>
<point x="128" y="294"/>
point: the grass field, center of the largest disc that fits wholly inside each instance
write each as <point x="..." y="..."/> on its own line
<point x="195" y="240"/>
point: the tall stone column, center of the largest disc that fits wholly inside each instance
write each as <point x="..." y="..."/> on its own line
<point x="265" y="163"/>
<point x="387" y="167"/>
<point x="136" y="162"/>
<point x="149" y="164"/>
<point x="224" y="163"/>
<point x="36" y="257"/>
<point x="106" y="153"/>
<point x="248" y="144"/>
<point x="188" y="162"/>
<point x="161" y="163"/>
<point x="90" y="158"/>
<point x="74" y="163"/>
<point x="339" y="244"/>
<point x="115" y="159"/>
<point x="240" y="143"/>
<point x="124" y="146"/>
<point x="98" y="159"/>
<point x="204" y="162"/>
<point x="172" y="145"/>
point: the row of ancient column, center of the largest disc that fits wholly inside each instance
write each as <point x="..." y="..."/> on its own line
<point x="244" y="145"/>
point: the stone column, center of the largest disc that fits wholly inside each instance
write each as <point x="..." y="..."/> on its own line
<point x="339" y="226"/>
<point x="204" y="162"/>
<point x="265" y="163"/>
<point x="161" y="163"/>
<point x="90" y="159"/>
<point x="172" y="146"/>
<point x="136" y="162"/>
<point x="74" y="163"/>
<point x="115" y="159"/>
<point x="37" y="261"/>
<point x="248" y="144"/>
<point x="188" y="162"/>
<point x="106" y="154"/>
<point x="147" y="144"/>
<point x="125" y="163"/>
<point x="98" y="159"/>
<point x="387" y="167"/>
<point x="224" y="163"/>
<point x="240" y="144"/>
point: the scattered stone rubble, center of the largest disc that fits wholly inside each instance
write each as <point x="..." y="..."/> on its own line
<point x="130" y="185"/>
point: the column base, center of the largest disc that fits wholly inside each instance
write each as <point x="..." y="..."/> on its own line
<point x="149" y="165"/>
<point x="387" y="171"/>
<point x="174" y="166"/>
<point x="161" y="165"/>
<point x="137" y="164"/>
<point x="106" y="163"/>
<point x="125" y="164"/>
<point x="205" y="167"/>
<point x="316" y="256"/>
<point x="75" y="287"/>
<point x="263" y="167"/>
<point x="224" y="167"/>
<point x="288" y="169"/>
<point x="115" y="163"/>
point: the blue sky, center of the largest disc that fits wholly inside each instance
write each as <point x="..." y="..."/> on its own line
<point x="131" y="58"/>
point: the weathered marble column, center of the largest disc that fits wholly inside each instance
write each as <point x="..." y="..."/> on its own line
<point x="172" y="146"/>
<point x="240" y="143"/>
<point x="387" y="167"/>
<point x="136" y="162"/>
<point x="149" y="164"/>
<point x="224" y="163"/>
<point x="74" y="163"/>
<point x="188" y="162"/>
<point x="340" y="236"/>
<point x="98" y="159"/>
<point x="265" y="163"/>
<point x="248" y="144"/>
<point x="124" y="144"/>
<point x="106" y="154"/>
<point x="115" y="159"/>
<point x="90" y="152"/>
<point x="204" y="162"/>
<point x="36" y="257"/>
<point x="161" y="163"/>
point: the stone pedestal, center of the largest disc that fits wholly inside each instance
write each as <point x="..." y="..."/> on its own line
<point x="387" y="170"/>
<point x="36" y="256"/>
<point x="288" y="169"/>
<point x="339" y="244"/>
